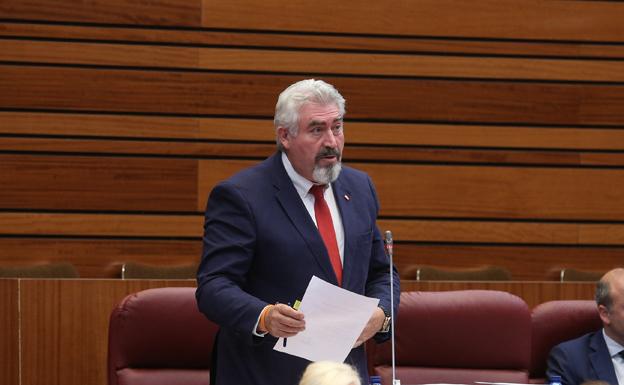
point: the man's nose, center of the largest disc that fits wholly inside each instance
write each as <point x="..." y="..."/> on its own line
<point x="329" y="139"/>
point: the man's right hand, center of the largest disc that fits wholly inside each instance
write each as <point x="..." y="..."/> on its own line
<point x="282" y="320"/>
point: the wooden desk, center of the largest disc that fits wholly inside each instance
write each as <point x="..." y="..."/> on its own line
<point x="55" y="332"/>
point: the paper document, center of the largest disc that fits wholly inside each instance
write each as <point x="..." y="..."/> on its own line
<point x="334" y="319"/>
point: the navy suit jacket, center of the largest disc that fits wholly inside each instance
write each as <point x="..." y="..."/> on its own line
<point x="582" y="359"/>
<point x="261" y="246"/>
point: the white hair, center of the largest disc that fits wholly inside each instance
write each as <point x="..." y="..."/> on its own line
<point x="330" y="373"/>
<point x="296" y="95"/>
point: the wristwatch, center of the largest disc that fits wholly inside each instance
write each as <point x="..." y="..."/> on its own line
<point x="385" y="327"/>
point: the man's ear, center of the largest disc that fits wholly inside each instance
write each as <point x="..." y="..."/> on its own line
<point x="283" y="135"/>
<point x="604" y="314"/>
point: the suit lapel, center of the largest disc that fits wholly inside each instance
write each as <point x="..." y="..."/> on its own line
<point x="293" y="207"/>
<point x="343" y="196"/>
<point x="601" y="359"/>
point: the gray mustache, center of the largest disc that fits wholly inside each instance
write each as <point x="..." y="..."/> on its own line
<point x="328" y="152"/>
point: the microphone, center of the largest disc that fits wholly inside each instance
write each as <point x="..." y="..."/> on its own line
<point x="388" y="243"/>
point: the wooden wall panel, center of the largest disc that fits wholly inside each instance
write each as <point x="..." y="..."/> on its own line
<point x="536" y="256"/>
<point x="494" y="131"/>
<point x="533" y="293"/>
<point x="112" y="225"/>
<point x="408" y="230"/>
<point x="9" y="332"/>
<point x="321" y="41"/>
<point x="499" y="192"/>
<point x="499" y="232"/>
<point x="166" y="148"/>
<point x="98" y="257"/>
<point x="484" y="19"/>
<point x="504" y="135"/>
<point x="88" y="183"/>
<point x="525" y="262"/>
<point x="477" y="191"/>
<point x="236" y="59"/>
<point x="534" y="19"/>
<point x="65" y="327"/>
<point x="84" y="89"/>
<point x="417" y="135"/>
<point x="161" y="12"/>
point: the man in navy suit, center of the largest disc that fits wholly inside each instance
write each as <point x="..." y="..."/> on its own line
<point x="596" y="356"/>
<point x="266" y="234"/>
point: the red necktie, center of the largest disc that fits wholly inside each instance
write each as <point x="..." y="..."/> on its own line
<point x="326" y="228"/>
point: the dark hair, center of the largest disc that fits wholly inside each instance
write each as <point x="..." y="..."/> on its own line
<point x="603" y="295"/>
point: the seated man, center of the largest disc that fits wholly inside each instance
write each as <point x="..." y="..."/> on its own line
<point x="597" y="355"/>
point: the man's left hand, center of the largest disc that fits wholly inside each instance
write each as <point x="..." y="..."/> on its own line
<point x="372" y="327"/>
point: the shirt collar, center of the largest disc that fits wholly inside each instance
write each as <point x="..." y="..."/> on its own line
<point x="302" y="185"/>
<point x="613" y="347"/>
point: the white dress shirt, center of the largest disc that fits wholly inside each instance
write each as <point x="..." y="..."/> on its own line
<point x="302" y="185"/>
<point x="618" y="361"/>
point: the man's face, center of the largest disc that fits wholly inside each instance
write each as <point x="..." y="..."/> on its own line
<point x="613" y="320"/>
<point x="319" y="142"/>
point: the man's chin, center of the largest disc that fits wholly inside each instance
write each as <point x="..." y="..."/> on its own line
<point x="326" y="174"/>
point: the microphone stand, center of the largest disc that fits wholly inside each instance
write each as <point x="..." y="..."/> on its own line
<point x="389" y="246"/>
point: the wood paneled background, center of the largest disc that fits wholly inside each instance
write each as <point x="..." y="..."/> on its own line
<point x="494" y="130"/>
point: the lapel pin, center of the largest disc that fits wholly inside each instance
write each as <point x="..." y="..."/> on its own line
<point x="347" y="197"/>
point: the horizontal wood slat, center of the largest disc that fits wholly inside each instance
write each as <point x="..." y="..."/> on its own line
<point x="487" y="18"/>
<point x="533" y="293"/>
<point x="98" y="258"/>
<point x="313" y="41"/>
<point x="162" y="148"/>
<point x="504" y="232"/>
<point x="113" y="225"/>
<point x="191" y="226"/>
<point x="91" y="183"/>
<point x="523" y="261"/>
<point x="353" y="153"/>
<point x="254" y="95"/>
<point x="478" y="191"/>
<point x="161" y="12"/>
<point x="102" y="258"/>
<point x="24" y="123"/>
<point x="499" y="192"/>
<point x="305" y="61"/>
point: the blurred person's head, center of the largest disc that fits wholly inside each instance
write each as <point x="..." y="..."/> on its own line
<point x="610" y="300"/>
<point x="329" y="373"/>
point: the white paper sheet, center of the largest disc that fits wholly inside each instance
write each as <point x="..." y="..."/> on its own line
<point x="334" y="318"/>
